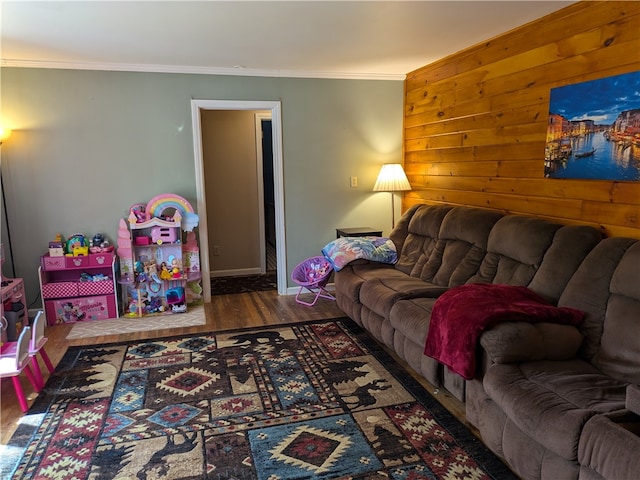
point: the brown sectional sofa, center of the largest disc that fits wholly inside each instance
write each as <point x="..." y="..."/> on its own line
<point x="551" y="399"/>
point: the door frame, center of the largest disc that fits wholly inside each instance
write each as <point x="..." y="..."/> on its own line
<point x="258" y="117"/>
<point x="197" y="105"/>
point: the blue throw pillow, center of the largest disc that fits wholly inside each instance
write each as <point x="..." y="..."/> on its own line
<point x="344" y="250"/>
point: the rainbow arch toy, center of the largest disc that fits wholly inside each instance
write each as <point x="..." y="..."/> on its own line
<point x="139" y="213"/>
<point x="160" y="203"/>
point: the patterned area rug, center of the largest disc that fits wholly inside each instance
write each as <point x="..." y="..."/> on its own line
<point x="251" y="283"/>
<point x="316" y="400"/>
<point x="97" y="328"/>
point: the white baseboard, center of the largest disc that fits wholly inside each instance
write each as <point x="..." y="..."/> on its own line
<point x="239" y="272"/>
<point x="330" y="287"/>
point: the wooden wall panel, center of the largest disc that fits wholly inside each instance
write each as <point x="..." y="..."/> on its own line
<point x="475" y="122"/>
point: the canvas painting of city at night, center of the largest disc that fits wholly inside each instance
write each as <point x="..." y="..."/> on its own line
<point x="594" y="130"/>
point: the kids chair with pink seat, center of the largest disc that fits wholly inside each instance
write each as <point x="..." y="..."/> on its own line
<point x="11" y="366"/>
<point x="36" y="345"/>
<point x="313" y="275"/>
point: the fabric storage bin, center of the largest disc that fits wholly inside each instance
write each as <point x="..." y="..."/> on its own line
<point x="59" y="289"/>
<point x="77" y="262"/>
<point x="100" y="259"/>
<point x="95" y="288"/>
<point x="53" y="263"/>
<point x="71" y="310"/>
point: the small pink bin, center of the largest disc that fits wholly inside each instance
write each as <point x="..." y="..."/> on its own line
<point x="100" y="259"/>
<point x="59" y="289"/>
<point x="77" y="262"/>
<point x="53" y="263"/>
<point x="102" y="287"/>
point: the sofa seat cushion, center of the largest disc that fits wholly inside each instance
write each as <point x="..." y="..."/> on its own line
<point x="552" y="401"/>
<point x="380" y="294"/>
<point x="610" y="446"/>
<point x="411" y="318"/>
<point x="350" y="279"/>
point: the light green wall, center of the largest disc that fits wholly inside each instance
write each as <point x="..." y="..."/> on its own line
<point x="88" y="144"/>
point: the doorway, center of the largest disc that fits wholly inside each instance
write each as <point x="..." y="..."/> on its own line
<point x="197" y="106"/>
<point x="264" y="148"/>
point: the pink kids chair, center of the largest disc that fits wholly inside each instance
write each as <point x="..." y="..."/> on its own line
<point x="11" y="366"/>
<point x="313" y="275"/>
<point x="36" y="346"/>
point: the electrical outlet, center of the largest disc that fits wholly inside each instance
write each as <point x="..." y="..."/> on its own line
<point x="216" y="250"/>
<point x="354" y="182"/>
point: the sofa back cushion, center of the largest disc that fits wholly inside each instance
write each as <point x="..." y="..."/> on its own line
<point x="515" y="250"/>
<point x="459" y="249"/>
<point x="399" y="233"/>
<point x="422" y="235"/>
<point x="606" y="287"/>
<point x="570" y="246"/>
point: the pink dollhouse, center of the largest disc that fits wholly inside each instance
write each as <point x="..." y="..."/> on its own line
<point x="159" y="257"/>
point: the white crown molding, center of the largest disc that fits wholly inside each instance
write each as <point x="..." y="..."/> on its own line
<point x="236" y="72"/>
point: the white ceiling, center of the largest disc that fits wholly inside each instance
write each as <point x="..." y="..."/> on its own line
<point x="326" y="39"/>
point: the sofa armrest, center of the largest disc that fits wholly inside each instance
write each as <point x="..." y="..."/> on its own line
<point x="513" y="342"/>
<point x="633" y="398"/>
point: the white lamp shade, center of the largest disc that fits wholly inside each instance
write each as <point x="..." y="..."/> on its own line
<point x="391" y="179"/>
<point x="5" y="133"/>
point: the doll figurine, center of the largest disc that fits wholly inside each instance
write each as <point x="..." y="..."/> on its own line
<point x="164" y="272"/>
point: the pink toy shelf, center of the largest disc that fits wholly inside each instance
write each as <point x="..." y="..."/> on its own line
<point x="159" y="257"/>
<point x="78" y="288"/>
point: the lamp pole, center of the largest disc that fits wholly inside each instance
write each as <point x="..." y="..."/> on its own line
<point x="5" y="133"/>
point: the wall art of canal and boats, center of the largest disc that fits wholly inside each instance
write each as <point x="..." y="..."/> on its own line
<point x="594" y="130"/>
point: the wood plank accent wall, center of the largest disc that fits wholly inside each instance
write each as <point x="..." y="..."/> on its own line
<point x="475" y="122"/>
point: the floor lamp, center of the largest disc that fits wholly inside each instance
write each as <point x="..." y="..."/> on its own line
<point x="5" y="133"/>
<point x="392" y="179"/>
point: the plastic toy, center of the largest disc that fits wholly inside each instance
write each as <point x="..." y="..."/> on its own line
<point x="175" y="299"/>
<point x="138" y="212"/>
<point x="162" y="235"/>
<point x="98" y="277"/>
<point x="56" y="247"/>
<point x="77" y="245"/>
<point x="142" y="240"/>
<point x="158" y="204"/>
<point x="165" y="274"/>
<point x="99" y="244"/>
<point x="85" y="277"/>
<point x="176" y="268"/>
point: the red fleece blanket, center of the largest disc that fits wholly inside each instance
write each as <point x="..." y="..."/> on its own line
<point x="461" y="314"/>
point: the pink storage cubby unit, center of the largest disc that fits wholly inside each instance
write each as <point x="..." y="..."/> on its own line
<point x="69" y="297"/>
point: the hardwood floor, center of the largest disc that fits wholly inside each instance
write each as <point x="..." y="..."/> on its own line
<point x="225" y="312"/>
